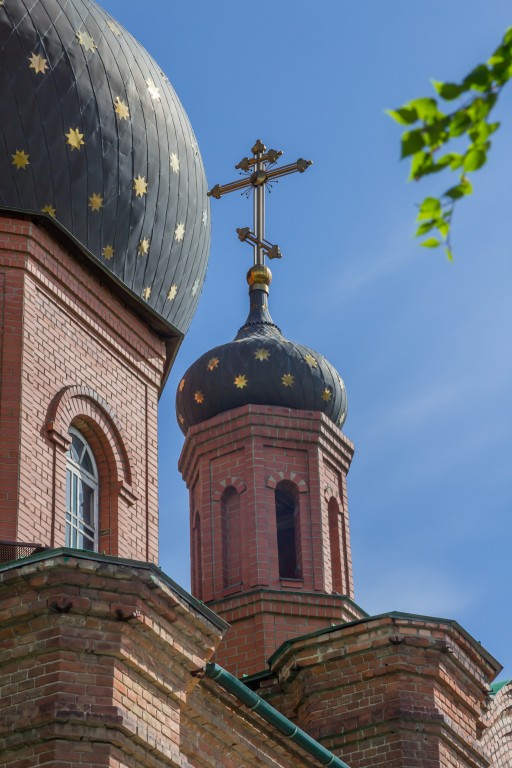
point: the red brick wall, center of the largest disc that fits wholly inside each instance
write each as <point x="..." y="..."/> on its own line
<point x="72" y="352"/>
<point x="253" y="450"/>
<point x="496" y="739"/>
<point x="396" y="691"/>
<point x="99" y="666"/>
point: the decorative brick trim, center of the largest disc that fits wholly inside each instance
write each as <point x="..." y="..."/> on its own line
<point x="292" y="477"/>
<point x="236" y="482"/>
<point x="73" y="403"/>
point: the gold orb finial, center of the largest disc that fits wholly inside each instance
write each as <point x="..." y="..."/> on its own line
<point x="259" y="276"/>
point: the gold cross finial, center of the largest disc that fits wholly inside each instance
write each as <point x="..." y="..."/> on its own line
<point x="257" y="173"/>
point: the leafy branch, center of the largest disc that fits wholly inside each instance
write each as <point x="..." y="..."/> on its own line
<point x="430" y="131"/>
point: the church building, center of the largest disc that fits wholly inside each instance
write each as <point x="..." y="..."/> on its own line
<point x="105" y="661"/>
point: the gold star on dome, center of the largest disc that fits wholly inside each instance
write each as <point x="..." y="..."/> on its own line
<point x="50" y="210"/>
<point x="262" y="354"/>
<point x="146" y="293"/>
<point x="75" y="139"/>
<point x="121" y="109"/>
<point x="173" y="290"/>
<point x="86" y="41"/>
<point x="114" y="28"/>
<point x="288" y="380"/>
<point x="20" y="160"/>
<point x="310" y="360"/>
<point x="174" y="162"/>
<point x="107" y="252"/>
<point x="95" y="202"/>
<point x="182" y="385"/>
<point x="194" y="145"/>
<point x="212" y="363"/>
<point x="38" y="64"/>
<point x="143" y="247"/>
<point x="181" y="419"/>
<point x="199" y="397"/>
<point x="326" y="395"/>
<point x="204" y="217"/>
<point x="240" y="381"/>
<point x="195" y="287"/>
<point x="179" y="232"/>
<point x="140" y="186"/>
<point x="154" y="92"/>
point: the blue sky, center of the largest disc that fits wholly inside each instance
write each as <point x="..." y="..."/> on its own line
<point x="423" y="345"/>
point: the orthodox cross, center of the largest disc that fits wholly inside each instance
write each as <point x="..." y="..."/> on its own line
<point x="258" y="174"/>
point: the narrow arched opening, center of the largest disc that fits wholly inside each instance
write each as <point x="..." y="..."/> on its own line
<point x="82" y="491"/>
<point x="231" y="545"/>
<point x="288" y="530"/>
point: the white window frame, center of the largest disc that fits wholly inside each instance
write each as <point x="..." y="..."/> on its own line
<point x="79" y="534"/>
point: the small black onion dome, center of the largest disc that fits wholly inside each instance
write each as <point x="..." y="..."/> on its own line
<point x="259" y="367"/>
<point x="93" y="134"/>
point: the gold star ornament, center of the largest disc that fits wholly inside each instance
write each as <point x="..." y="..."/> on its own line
<point x="140" y="186"/>
<point x="181" y="419"/>
<point x="86" y="41"/>
<point x="173" y="290"/>
<point x="199" y="397"/>
<point x="326" y="395"/>
<point x="146" y="293"/>
<point x="114" y="28"/>
<point x="20" y="160"/>
<point x="75" y="139"/>
<point x="174" y="162"/>
<point x="50" y="210"/>
<point x="288" y="380"/>
<point x="38" y="64"/>
<point x="95" y="202"/>
<point x="179" y="232"/>
<point x="107" y="252"/>
<point x="310" y="360"/>
<point x="262" y="354"/>
<point x="153" y="90"/>
<point x="182" y="385"/>
<point x="240" y="381"/>
<point x="212" y="363"/>
<point x="143" y="247"/>
<point x="121" y="109"/>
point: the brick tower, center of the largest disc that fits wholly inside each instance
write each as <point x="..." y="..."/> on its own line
<point x="266" y="465"/>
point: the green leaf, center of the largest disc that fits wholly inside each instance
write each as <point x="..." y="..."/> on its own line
<point x="429" y="209"/>
<point x="432" y="242"/>
<point x="507" y="39"/>
<point x="462" y="189"/>
<point x="480" y="78"/>
<point x="474" y="159"/>
<point x="403" y="115"/>
<point x="481" y="107"/>
<point x="449" y="253"/>
<point x="425" y="227"/>
<point x="420" y="164"/>
<point x="459" y="123"/>
<point x="426" y="108"/>
<point x="412" y="142"/>
<point x="448" y="91"/>
<point x="444" y="227"/>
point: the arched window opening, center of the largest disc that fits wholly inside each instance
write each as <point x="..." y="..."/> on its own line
<point x="335" y="534"/>
<point x="197" y="572"/>
<point x="81" y="495"/>
<point x="231" y="544"/>
<point x="288" y="531"/>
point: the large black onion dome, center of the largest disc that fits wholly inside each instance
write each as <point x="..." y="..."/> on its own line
<point x="93" y="134"/>
<point x="259" y="367"/>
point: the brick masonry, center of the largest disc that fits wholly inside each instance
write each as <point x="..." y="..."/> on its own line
<point x="396" y="690"/>
<point x="99" y="663"/>
<point x="249" y="452"/>
<point x="72" y="353"/>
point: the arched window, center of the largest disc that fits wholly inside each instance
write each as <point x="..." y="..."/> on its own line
<point x="288" y="531"/>
<point x="197" y="563"/>
<point x="81" y="495"/>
